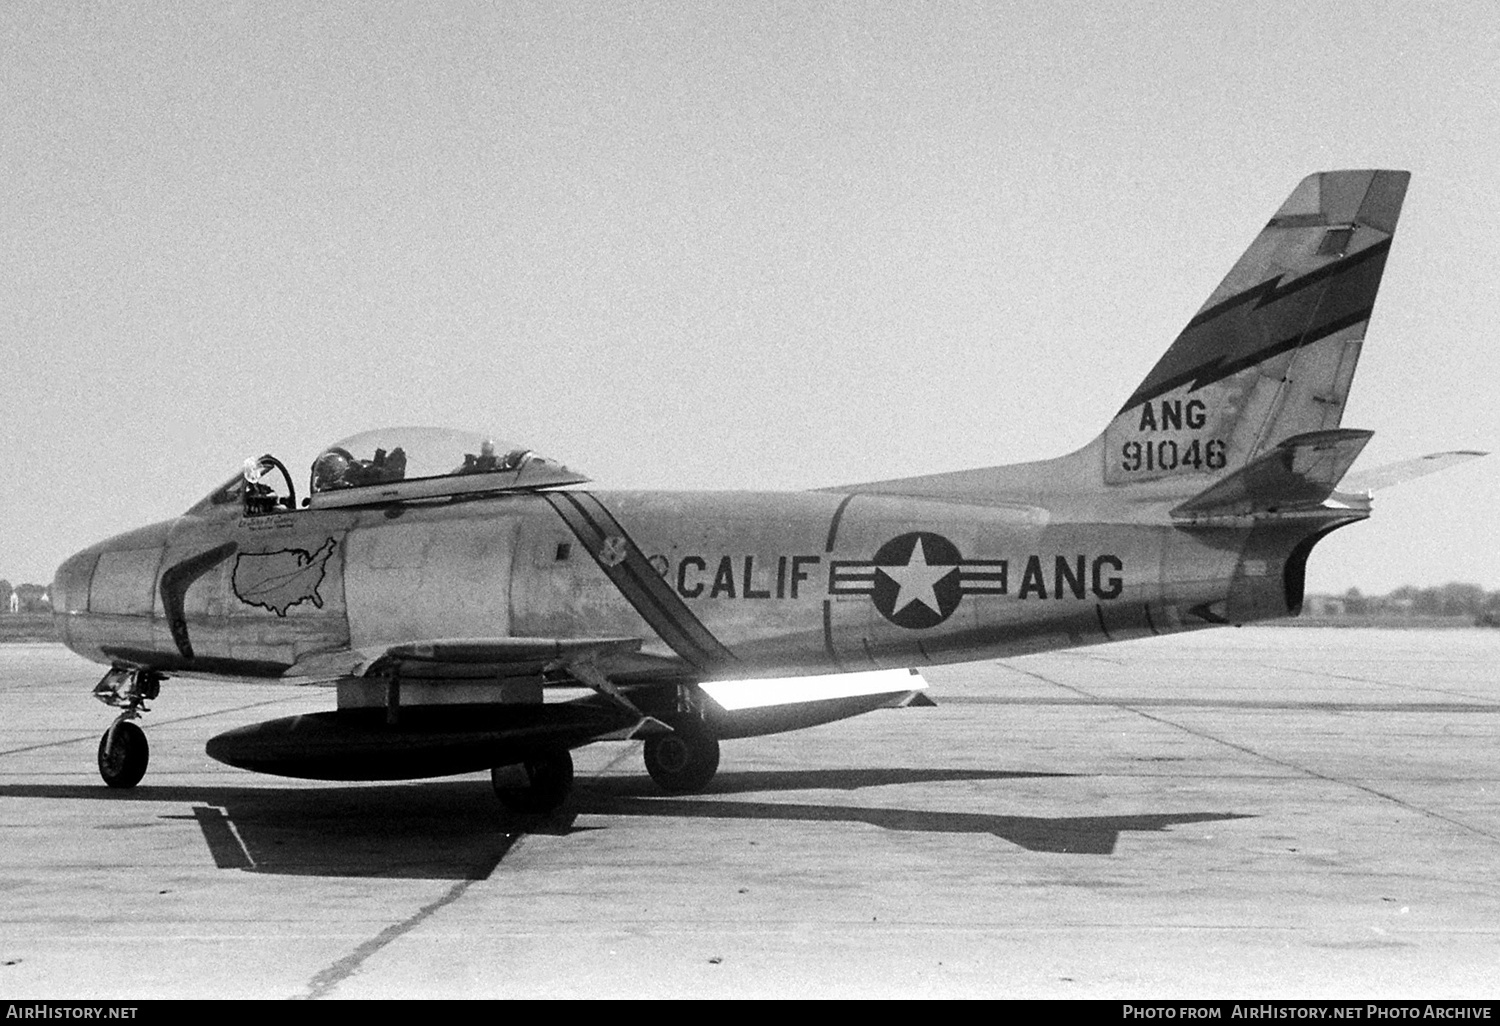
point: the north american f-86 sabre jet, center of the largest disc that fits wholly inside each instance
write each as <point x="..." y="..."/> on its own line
<point x="477" y="609"/>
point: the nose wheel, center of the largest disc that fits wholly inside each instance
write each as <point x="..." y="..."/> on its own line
<point x="123" y="751"/>
<point x="123" y="754"/>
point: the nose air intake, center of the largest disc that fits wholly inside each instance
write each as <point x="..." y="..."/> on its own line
<point x="70" y="585"/>
<point x="107" y="592"/>
<point x="70" y="591"/>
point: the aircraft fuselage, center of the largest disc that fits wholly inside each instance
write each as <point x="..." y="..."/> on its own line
<point x="721" y="585"/>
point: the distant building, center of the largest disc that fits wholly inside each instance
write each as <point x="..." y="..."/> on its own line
<point x="1324" y="605"/>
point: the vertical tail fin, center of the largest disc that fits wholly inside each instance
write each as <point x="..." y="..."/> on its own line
<point x="1273" y="351"/>
<point x="1270" y="356"/>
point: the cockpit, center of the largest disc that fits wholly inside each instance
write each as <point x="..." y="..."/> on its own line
<point x="391" y="465"/>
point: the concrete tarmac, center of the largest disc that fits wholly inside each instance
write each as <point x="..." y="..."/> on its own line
<point x="1256" y="813"/>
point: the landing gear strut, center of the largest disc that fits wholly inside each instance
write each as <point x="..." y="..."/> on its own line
<point x="538" y="785"/>
<point x="684" y="761"/>
<point x="123" y="752"/>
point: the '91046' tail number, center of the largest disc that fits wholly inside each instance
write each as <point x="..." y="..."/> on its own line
<point x="1170" y="454"/>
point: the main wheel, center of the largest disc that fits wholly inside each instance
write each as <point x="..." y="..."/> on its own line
<point x="684" y="761"/>
<point x="123" y="754"/>
<point x="548" y="779"/>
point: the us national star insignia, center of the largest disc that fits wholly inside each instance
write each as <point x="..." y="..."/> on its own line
<point x="917" y="580"/>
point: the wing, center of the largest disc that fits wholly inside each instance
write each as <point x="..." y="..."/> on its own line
<point x="746" y="708"/>
<point x="514" y="671"/>
<point x="460" y="659"/>
<point x="457" y="705"/>
<point x="441" y="706"/>
<point x="478" y="672"/>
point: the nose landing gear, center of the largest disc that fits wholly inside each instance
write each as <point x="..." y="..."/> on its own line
<point x="123" y="751"/>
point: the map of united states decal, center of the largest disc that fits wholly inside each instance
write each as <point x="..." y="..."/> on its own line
<point x="280" y="580"/>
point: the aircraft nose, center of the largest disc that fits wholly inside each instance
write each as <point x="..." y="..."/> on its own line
<point x="70" y="585"/>
<point x="70" y="592"/>
<point x="102" y="597"/>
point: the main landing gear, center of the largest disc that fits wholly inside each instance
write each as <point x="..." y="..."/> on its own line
<point x="538" y="785"/>
<point x="684" y="761"/>
<point x="681" y="753"/>
<point x="123" y="752"/>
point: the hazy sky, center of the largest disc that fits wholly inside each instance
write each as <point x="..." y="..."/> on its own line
<point x="709" y="245"/>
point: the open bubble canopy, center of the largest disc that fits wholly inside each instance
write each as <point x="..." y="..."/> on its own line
<point x="391" y="465"/>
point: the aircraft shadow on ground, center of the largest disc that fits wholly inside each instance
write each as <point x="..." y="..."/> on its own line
<point x="455" y="830"/>
<point x="1077" y="835"/>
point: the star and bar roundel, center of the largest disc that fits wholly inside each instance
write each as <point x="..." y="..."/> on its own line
<point x="917" y="580"/>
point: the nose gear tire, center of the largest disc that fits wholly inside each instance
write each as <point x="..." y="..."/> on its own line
<point x="123" y="755"/>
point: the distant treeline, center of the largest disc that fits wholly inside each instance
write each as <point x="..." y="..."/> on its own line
<point x="1469" y="601"/>
<point x="24" y="598"/>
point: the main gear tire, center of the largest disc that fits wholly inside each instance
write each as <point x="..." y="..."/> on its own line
<point x="549" y="781"/>
<point x="684" y="761"/>
<point x="123" y="755"/>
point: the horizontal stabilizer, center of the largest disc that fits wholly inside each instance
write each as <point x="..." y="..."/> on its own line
<point x="1300" y="473"/>
<point x="1365" y="482"/>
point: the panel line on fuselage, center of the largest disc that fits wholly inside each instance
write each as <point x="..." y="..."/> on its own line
<point x="1099" y="609"/>
<point x="174" y="585"/>
<point x="833" y="524"/>
<point x="833" y="534"/>
<point x="833" y="654"/>
<point x="632" y="573"/>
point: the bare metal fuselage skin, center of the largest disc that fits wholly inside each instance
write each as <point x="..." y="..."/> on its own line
<point x="720" y="585"/>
